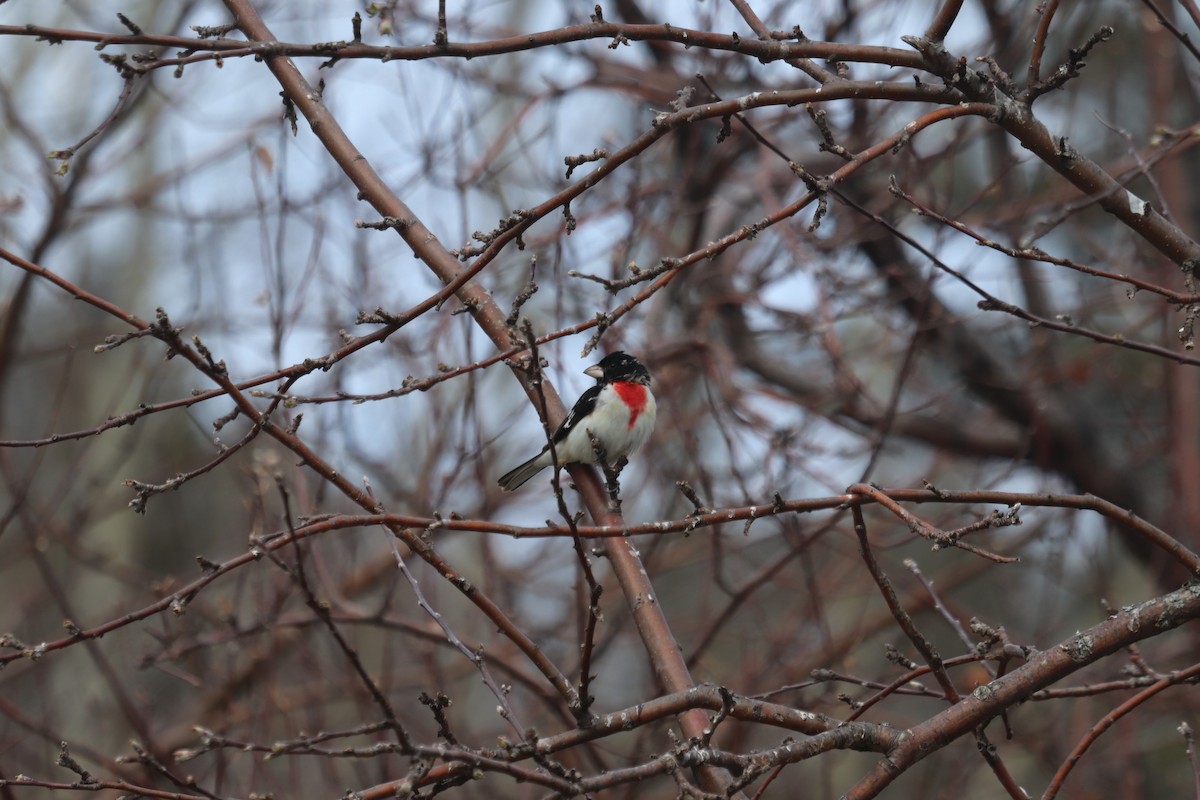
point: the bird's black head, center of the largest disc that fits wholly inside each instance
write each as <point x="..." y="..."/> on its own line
<point x="618" y="366"/>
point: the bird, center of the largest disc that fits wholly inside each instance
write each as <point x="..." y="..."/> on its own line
<point x="618" y="411"/>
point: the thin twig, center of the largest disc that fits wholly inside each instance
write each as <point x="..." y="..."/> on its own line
<point x="474" y="656"/>
<point x="923" y="645"/>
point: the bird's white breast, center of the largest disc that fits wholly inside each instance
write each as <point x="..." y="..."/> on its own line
<point x="620" y="429"/>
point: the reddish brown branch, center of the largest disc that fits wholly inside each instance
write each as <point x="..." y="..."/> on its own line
<point x="193" y="50"/>
<point x="179" y="599"/>
<point x="1017" y="119"/>
<point x="1110" y="719"/>
<point x="124" y="787"/>
<point x="986" y="702"/>
<point x="660" y="645"/>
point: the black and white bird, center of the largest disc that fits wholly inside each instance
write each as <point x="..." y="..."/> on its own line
<point x="618" y="411"/>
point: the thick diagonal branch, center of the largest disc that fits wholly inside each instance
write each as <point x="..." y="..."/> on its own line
<point x="661" y="646"/>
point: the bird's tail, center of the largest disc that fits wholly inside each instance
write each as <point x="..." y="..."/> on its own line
<point x="513" y="480"/>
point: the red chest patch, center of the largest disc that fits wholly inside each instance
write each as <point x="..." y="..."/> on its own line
<point x="634" y="395"/>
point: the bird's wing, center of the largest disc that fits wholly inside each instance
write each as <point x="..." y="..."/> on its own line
<point x="583" y="406"/>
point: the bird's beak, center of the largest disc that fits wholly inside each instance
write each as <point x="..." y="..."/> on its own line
<point x="594" y="371"/>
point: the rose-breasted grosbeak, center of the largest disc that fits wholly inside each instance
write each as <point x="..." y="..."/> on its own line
<point x="618" y="411"/>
